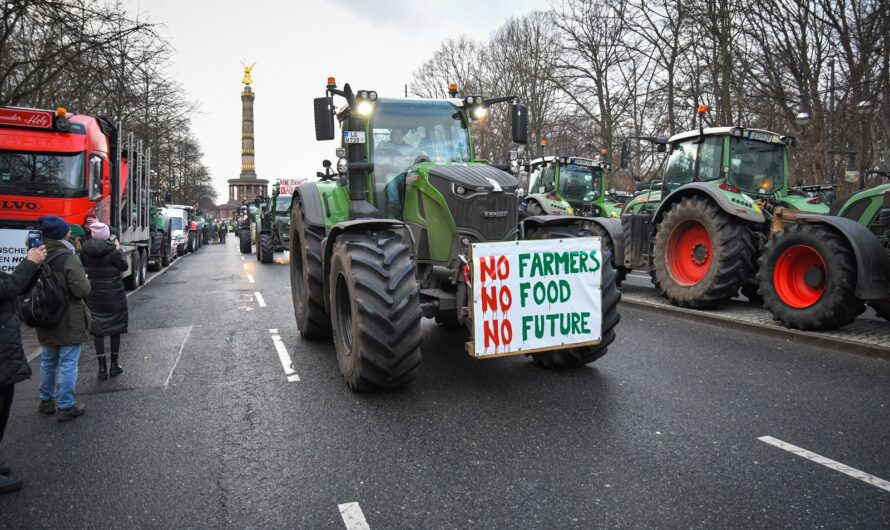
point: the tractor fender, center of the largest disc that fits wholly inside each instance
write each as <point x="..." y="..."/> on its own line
<point x="699" y="188"/>
<point x="612" y="226"/>
<point x="360" y="225"/>
<point x="872" y="261"/>
<point x="310" y="198"/>
<point x="540" y="200"/>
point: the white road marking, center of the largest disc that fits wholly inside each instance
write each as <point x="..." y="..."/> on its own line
<point x="260" y="300"/>
<point x="242" y="258"/>
<point x="244" y="265"/>
<point x="353" y="517"/>
<point x="284" y="357"/>
<point x="827" y="462"/>
<point x="250" y="278"/>
<point x="178" y="355"/>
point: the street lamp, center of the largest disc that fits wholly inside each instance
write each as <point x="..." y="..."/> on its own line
<point x="804" y="115"/>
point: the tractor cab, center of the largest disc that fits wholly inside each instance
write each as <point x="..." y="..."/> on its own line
<point x="573" y="180"/>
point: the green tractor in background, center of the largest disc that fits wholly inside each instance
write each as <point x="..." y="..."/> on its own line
<point x="700" y="231"/>
<point x="272" y="225"/>
<point x="383" y="240"/>
<point x="560" y="185"/>
<point x="244" y="226"/>
<point x="160" y="251"/>
<point x="818" y="271"/>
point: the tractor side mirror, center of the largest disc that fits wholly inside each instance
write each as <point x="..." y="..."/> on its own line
<point x="625" y="155"/>
<point x="326" y="164"/>
<point x="656" y="184"/>
<point x="662" y="147"/>
<point x="520" y="123"/>
<point x="324" y="118"/>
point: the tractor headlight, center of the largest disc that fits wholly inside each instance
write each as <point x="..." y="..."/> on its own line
<point x="365" y="108"/>
<point x="341" y="166"/>
<point x="480" y="112"/>
<point x="460" y="190"/>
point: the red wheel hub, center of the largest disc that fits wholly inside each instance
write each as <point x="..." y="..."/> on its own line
<point x="689" y="252"/>
<point x="799" y="276"/>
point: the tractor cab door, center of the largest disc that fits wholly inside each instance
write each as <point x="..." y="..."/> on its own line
<point x="534" y="178"/>
<point x="693" y="160"/>
<point x="549" y="177"/>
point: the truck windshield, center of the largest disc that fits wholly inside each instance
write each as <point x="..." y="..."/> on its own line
<point x="756" y="167"/>
<point x="579" y="183"/>
<point x="282" y="203"/>
<point x="42" y="173"/>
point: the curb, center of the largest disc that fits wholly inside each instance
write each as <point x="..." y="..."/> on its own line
<point x="801" y="337"/>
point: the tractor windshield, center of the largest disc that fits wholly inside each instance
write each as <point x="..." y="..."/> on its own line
<point x="176" y="223"/>
<point x="756" y="167"/>
<point x="579" y="183"/>
<point x="406" y="132"/>
<point x="282" y="203"/>
<point x="41" y="173"/>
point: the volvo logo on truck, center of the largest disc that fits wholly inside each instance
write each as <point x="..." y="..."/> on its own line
<point x="31" y="206"/>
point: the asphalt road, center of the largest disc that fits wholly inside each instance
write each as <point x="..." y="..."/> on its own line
<point x="206" y="427"/>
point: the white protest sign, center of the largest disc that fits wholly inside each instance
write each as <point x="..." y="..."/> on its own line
<point x="531" y="296"/>
<point x="13" y="248"/>
<point x="287" y="186"/>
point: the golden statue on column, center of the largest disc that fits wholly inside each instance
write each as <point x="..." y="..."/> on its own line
<point x="247" y="69"/>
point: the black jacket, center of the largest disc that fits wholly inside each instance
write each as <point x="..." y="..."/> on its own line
<point x="13" y="363"/>
<point x="107" y="299"/>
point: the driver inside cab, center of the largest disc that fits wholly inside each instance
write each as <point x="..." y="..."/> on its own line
<point x="393" y="157"/>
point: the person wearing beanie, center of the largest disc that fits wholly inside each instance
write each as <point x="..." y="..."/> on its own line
<point x="61" y="343"/>
<point x="104" y="263"/>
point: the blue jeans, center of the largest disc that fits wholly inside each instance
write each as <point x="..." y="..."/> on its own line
<point x="64" y="359"/>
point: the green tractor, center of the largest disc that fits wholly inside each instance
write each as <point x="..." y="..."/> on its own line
<point x="272" y="225"/>
<point x="384" y="239"/>
<point x="573" y="186"/>
<point x="161" y="250"/>
<point x="700" y="231"/>
<point x="244" y="227"/>
<point x="818" y="271"/>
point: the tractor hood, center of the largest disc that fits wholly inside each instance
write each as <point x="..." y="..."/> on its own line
<point x="476" y="177"/>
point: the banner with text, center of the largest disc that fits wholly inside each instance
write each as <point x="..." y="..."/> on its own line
<point x="539" y="295"/>
<point x="13" y="248"/>
<point x="287" y="186"/>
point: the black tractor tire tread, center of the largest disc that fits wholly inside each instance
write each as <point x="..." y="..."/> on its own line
<point x="265" y="248"/>
<point x="244" y="241"/>
<point x="838" y="305"/>
<point x="733" y="252"/>
<point x="386" y="344"/>
<point x="608" y="245"/>
<point x="315" y="323"/>
<point x="584" y="355"/>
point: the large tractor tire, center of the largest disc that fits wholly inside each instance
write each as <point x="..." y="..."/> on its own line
<point x="375" y="309"/>
<point x="307" y="278"/>
<point x="265" y="248"/>
<point x="583" y="355"/>
<point x="701" y="254"/>
<point x="808" y="278"/>
<point x="244" y="241"/>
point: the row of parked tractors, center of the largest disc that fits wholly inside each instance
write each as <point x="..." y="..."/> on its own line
<point x="724" y="221"/>
<point x="263" y="226"/>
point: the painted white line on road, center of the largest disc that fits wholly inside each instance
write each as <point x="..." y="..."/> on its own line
<point x="353" y="517"/>
<point x="260" y="300"/>
<point x="244" y="265"/>
<point x="827" y="462"/>
<point x="284" y="357"/>
<point x="242" y="258"/>
<point x="250" y="278"/>
<point x="178" y="355"/>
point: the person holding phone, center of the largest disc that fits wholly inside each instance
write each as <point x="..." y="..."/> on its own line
<point x="14" y="366"/>
<point x="104" y="263"/>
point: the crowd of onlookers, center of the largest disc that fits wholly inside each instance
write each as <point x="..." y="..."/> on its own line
<point x="85" y="264"/>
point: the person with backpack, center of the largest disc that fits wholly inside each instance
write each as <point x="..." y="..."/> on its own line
<point x="62" y="340"/>
<point x="104" y="263"/>
<point x="14" y="366"/>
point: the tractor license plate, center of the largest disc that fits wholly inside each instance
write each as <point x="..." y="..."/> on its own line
<point x="534" y="296"/>
<point x="354" y="137"/>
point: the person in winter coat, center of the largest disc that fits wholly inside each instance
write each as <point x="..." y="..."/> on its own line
<point x="13" y="363"/>
<point x="107" y="300"/>
<point x="61" y="343"/>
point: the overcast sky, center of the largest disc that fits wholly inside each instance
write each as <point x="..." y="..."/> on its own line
<point x="297" y="45"/>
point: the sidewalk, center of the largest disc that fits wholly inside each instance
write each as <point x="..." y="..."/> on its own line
<point x="864" y="336"/>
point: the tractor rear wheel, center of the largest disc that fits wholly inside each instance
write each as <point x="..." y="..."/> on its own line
<point x="265" y="248"/>
<point x="808" y="278"/>
<point x="307" y="278"/>
<point x="244" y="240"/>
<point x="701" y="254"/>
<point x="580" y="356"/>
<point x="375" y="309"/>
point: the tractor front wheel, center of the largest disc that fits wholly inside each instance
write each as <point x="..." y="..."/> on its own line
<point x="307" y="278"/>
<point x="244" y="240"/>
<point x="375" y="310"/>
<point x="582" y="355"/>
<point x="265" y="248"/>
<point x="808" y="278"/>
<point x="701" y="254"/>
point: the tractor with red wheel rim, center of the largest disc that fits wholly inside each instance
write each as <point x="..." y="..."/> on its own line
<point x="701" y="229"/>
<point x="818" y="271"/>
